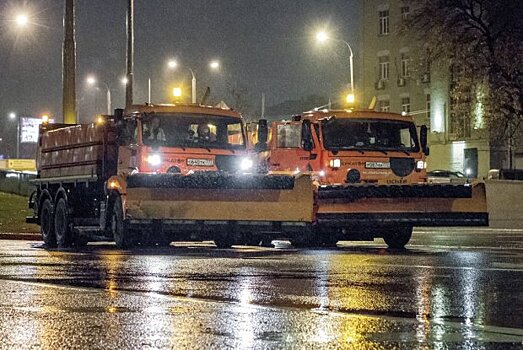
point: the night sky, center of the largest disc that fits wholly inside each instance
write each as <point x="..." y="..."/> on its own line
<point x="263" y="46"/>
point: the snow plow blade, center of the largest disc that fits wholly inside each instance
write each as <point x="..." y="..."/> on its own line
<point x="412" y="205"/>
<point x="212" y="198"/>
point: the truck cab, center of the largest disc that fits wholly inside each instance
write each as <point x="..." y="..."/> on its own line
<point x="181" y="139"/>
<point x="349" y="147"/>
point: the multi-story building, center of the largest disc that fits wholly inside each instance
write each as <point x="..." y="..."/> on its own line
<point x="398" y="78"/>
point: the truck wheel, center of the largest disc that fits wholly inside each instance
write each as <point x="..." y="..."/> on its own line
<point x="223" y="242"/>
<point x="47" y="224"/>
<point x="329" y="242"/>
<point x="61" y="224"/>
<point x="398" y="236"/>
<point x="252" y="241"/>
<point x="306" y="239"/>
<point x="123" y="238"/>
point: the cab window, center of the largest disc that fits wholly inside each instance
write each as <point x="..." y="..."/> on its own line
<point x="289" y="135"/>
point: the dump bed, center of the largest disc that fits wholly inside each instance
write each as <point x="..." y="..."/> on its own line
<point x="80" y="150"/>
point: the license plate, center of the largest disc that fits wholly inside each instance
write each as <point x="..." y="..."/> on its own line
<point x="393" y="182"/>
<point x="377" y="165"/>
<point x="200" y="162"/>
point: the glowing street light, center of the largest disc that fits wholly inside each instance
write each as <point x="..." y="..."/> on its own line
<point x="91" y="81"/>
<point x="124" y="81"/>
<point x="214" y="65"/>
<point x="172" y="64"/>
<point x="12" y="115"/>
<point x="177" y="92"/>
<point x="323" y="37"/>
<point x="22" y="20"/>
<point x="350" y="99"/>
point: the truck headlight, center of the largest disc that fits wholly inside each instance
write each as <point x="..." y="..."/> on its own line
<point x="420" y="165"/>
<point x="246" y="164"/>
<point x="335" y="163"/>
<point x="154" y="159"/>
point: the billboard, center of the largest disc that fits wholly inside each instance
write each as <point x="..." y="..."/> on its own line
<point x="29" y="129"/>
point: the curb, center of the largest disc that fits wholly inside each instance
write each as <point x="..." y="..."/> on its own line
<point x="21" y="236"/>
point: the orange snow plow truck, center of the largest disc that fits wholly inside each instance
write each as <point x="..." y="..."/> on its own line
<point x="154" y="174"/>
<point x="369" y="170"/>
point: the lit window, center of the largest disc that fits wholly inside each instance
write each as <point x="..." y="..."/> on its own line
<point x="405" y="65"/>
<point x="384" y="22"/>
<point x="384" y="67"/>
<point x="405" y="104"/>
<point x="384" y="105"/>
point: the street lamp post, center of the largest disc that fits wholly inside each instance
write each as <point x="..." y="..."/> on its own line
<point x="193" y="86"/>
<point x="213" y="65"/>
<point x="14" y="116"/>
<point x="92" y="81"/>
<point x="322" y="37"/>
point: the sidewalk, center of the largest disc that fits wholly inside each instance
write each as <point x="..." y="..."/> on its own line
<point x="21" y="236"/>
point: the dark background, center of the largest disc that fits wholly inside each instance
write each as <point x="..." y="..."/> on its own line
<point x="263" y="46"/>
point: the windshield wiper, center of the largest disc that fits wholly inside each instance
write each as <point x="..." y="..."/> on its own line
<point x="348" y="148"/>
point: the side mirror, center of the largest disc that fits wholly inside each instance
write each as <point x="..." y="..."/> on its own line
<point x="423" y="139"/>
<point x="122" y="137"/>
<point x="263" y="136"/>
<point x="306" y="136"/>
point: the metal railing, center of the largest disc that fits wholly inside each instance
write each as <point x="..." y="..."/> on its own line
<point x="17" y="182"/>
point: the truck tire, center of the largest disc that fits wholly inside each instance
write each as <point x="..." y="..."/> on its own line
<point x="123" y="238"/>
<point x="398" y="236"/>
<point x="329" y="242"/>
<point x="47" y="224"/>
<point x="62" y="224"/>
<point x="223" y="242"/>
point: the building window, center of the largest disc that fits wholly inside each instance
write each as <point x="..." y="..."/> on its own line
<point x="384" y="67"/>
<point x="384" y="22"/>
<point x="405" y="104"/>
<point x="384" y="105"/>
<point x="427" y="107"/>
<point x="405" y="10"/>
<point x="405" y="65"/>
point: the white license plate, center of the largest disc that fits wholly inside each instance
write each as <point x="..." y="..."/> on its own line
<point x="377" y="165"/>
<point x="200" y="162"/>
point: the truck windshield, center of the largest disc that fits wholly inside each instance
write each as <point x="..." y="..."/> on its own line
<point x="192" y="130"/>
<point x="370" y="134"/>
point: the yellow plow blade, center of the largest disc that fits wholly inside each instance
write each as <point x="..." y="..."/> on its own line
<point x="224" y="198"/>
<point x="416" y="205"/>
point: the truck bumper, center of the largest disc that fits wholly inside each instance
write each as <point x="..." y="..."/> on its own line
<point x="412" y="219"/>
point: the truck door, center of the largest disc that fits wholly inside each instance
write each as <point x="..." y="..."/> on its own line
<point x="287" y="152"/>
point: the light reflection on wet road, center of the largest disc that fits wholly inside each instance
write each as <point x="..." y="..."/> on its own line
<point x="433" y="295"/>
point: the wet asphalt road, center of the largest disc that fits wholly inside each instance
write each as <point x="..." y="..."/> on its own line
<point x="450" y="289"/>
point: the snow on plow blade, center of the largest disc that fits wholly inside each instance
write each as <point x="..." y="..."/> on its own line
<point x="416" y="205"/>
<point x="220" y="197"/>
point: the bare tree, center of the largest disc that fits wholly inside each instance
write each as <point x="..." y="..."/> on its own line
<point x="482" y="42"/>
<point x="241" y="99"/>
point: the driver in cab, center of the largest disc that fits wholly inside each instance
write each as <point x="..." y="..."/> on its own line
<point x="152" y="131"/>
<point x="205" y="134"/>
